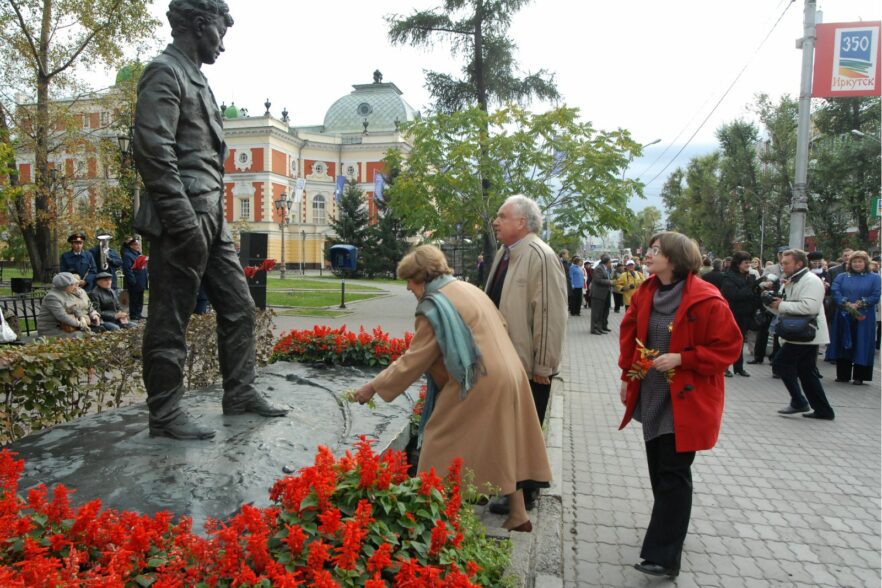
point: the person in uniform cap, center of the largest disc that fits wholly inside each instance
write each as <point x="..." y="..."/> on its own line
<point x="79" y="262"/>
<point x="179" y="149"/>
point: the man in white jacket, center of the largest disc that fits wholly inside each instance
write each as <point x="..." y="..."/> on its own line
<point x="796" y="362"/>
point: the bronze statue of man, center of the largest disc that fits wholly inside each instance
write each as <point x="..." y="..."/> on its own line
<point x="179" y="149"/>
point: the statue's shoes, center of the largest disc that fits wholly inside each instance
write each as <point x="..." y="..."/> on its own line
<point x="256" y="404"/>
<point x="181" y="428"/>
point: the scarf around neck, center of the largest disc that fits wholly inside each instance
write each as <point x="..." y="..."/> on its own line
<point x="462" y="358"/>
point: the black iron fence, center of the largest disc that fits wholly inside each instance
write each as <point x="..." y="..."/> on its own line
<point x="21" y="311"/>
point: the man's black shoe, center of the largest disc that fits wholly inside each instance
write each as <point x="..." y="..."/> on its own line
<point x="755" y="361"/>
<point x="256" y="404"/>
<point x="596" y="332"/>
<point x="181" y="428"/>
<point x="652" y="569"/>
<point x="499" y="505"/>
<point x="729" y="374"/>
<point x="776" y="376"/>
<point x="790" y="410"/>
<point x="814" y="415"/>
<point x="606" y="330"/>
<point x="841" y="380"/>
<point x="742" y="373"/>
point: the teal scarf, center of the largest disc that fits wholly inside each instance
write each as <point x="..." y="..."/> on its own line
<point x="462" y="358"/>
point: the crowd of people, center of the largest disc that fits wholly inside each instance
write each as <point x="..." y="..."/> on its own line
<point x="687" y="320"/>
<point x="85" y="298"/>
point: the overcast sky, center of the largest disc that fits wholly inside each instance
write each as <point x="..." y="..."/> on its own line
<point x="654" y="68"/>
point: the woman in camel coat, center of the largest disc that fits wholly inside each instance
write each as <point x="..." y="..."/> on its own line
<point x="493" y="425"/>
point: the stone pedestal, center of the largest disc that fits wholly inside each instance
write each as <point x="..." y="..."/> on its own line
<point x="112" y="457"/>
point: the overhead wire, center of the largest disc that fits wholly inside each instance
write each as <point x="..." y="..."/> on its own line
<point x="723" y="97"/>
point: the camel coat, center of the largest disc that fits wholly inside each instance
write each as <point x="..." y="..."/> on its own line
<point x="495" y="429"/>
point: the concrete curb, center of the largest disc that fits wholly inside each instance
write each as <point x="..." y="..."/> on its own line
<point x="537" y="557"/>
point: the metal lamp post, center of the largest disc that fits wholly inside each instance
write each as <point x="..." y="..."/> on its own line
<point x="283" y="205"/>
<point x="302" y="252"/>
<point x="127" y="151"/>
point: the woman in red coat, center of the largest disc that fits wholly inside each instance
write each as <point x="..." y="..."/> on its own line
<point x="677" y="338"/>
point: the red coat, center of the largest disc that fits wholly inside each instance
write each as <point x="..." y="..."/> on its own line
<point x="708" y="340"/>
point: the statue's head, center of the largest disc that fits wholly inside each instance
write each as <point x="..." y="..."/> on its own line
<point x="206" y="21"/>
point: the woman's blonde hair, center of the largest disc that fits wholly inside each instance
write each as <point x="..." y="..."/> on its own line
<point x="423" y="264"/>
<point x="862" y="255"/>
<point x="681" y="251"/>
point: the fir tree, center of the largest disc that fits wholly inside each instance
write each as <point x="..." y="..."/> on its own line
<point x="351" y="224"/>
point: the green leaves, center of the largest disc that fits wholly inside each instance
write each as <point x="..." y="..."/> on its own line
<point x="570" y="168"/>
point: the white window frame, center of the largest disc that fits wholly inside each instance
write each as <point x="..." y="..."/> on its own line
<point x="319" y="209"/>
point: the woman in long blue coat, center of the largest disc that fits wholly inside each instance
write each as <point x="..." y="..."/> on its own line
<point x="853" y="340"/>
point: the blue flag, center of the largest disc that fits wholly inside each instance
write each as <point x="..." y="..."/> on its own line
<point x="379" y="183"/>
<point x="338" y="192"/>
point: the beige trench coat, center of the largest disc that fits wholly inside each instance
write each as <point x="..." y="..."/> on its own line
<point x="495" y="429"/>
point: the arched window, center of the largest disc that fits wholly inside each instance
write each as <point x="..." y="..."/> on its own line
<point x="318" y="209"/>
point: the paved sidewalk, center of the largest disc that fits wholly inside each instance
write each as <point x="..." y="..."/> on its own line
<point x="780" y="501"/>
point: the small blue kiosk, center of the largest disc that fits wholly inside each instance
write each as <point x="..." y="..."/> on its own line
<point x="343" y="258"/>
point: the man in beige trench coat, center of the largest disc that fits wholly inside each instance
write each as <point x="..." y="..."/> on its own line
<point x="528" y="285"/>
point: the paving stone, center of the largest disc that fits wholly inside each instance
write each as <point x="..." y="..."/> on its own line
<point x="779" y="502"/>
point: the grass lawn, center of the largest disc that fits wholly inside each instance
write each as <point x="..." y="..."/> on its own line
<point x="314" y="312"/>
<point x="331" y="276"/>
<point x="274" y="283"/>
<point x="312" y="299"/>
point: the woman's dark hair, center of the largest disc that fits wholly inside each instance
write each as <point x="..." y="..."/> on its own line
<point x="737" y="259"/>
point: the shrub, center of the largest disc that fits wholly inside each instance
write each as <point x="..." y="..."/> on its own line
<point x="322" y="344"/>
<point x="354" y="521"/>
<point x="52" y="381"/>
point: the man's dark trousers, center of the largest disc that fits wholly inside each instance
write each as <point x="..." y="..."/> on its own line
<point x="670" y="475"/>
<point x="599" y="312"/>
<point x="797" y="364"/>
<point x="178" y="264"/>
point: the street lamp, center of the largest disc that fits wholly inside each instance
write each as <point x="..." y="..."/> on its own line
<point x="631" y="156"/>
<point x="128" y="154"/>
<point x="862" y="135"/>
<point x="302" y="252"/>
<point x="283" y="205"/>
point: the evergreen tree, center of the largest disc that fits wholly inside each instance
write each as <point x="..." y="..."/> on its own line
<point x="389" y="238"/>
<point x="351" y="225"/>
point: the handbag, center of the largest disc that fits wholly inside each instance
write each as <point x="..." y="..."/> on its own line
<point x="759" y="320"/>
<point x="7" y="335"/>
<point x="798" y="328"/>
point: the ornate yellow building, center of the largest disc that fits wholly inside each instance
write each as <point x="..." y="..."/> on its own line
<point x="271" y="160"/>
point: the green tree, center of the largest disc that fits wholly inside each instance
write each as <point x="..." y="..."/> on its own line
<point x="42" y="45"/>
<point x="845" y="173"/>
<point x="389" y="238"/>
<point x="572" y="170"/>
<point x="477" y="31"/>
<point x="351" y="225"/>
<point x="645" y="224"/>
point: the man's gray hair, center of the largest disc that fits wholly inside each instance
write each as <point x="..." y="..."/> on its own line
<point x="798" y="255"/>
<point x="527" y="208"/>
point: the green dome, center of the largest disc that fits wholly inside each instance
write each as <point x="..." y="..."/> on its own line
<point x="379" y="103"/>
<point x="231" y="111"/>
<point x="129" y="72"/>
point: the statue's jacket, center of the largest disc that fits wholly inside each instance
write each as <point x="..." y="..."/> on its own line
<point x="178" y="144"/>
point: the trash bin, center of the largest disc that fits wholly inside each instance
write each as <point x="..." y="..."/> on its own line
<point x="21" y="285"/>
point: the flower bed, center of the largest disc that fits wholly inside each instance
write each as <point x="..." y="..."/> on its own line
<point x="323" y="344"/>
<point x="357" y="520"/>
